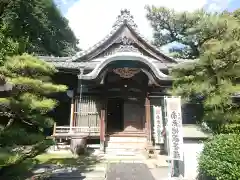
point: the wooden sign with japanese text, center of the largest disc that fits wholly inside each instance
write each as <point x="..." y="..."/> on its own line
<point x="158" y="124"/>
<point x="174" y="125"/>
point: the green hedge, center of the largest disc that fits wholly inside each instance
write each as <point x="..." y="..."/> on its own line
<point x="231" y="128"/>
<point x="220" y="158"/>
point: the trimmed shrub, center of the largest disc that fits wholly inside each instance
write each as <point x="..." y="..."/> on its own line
<point x="231" y="129"/>
<point x="220" y="158"/>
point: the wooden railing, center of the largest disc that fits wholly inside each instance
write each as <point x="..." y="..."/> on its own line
<point x="75" y="131"/>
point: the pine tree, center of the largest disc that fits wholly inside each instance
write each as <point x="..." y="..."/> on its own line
<point x="27" y="108"/>
<point x="190" y="29"/>
<point x="32" y="26"/>
<point x="214" y="79"/>
<point x="213" y="40"/>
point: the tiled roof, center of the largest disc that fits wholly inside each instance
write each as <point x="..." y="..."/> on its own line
<point x="54" y="59"/>
<point x="124" y="18"/>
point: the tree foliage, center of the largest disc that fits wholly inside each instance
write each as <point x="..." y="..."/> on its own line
<point x="40" y="25"/>
<point x="35" y="27"/>
<point x="27" y="107"/>
<point x="7" y="46"/>
<point x="213" y="78"/>
<point x="191" y="30"/>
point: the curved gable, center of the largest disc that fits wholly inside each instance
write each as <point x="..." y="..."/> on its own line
<point x="124" y="37"/>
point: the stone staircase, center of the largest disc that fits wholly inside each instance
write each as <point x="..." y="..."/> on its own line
<point x="126" y="143"/>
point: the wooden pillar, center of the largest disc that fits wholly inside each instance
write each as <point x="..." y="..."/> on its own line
<point x="72" y="114"/>
<point x="54" y="129"/>
<point x="102" y="130"/>
<point x="70" y="94"/>
<point x="148" y="118"/>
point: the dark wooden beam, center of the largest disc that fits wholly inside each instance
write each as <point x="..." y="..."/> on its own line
<point x="102" y="129"/>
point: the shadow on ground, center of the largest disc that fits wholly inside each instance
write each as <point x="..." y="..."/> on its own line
<point x="53" y="165"/>
<point x="128" y="171"/>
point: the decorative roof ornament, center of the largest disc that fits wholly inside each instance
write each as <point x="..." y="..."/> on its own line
<point x="122" y="48"/>
<point x="126" y="45"/>
<point x="126" y="41"/>
<point x="125" y="17"/>
<point x="126" y="72"/>
<point x="127" y="48"/>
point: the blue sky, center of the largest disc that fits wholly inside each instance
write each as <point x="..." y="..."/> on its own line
<point x="230" y="5"/>
<point x="92" y="20"/>
<point x="233" y="5"/>
<point x="64" y="5"/>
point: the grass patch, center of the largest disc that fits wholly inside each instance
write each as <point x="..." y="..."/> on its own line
<point x="5" y="155"/>
<point x="46" y="157"/>
<point x="24" y="170"/>
<point x="69" y="160"/>
<point x="21" y="171"/>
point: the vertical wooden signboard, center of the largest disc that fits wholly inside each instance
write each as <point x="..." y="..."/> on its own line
<point x="175" y="133"/>
<point x="158" y="124"/>
<point x="148" y="118"/>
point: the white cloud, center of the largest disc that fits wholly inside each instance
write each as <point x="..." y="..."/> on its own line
<point x="91" y="20"/>
<point x="217" y="5"/>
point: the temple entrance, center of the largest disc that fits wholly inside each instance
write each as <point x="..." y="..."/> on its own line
<point x="125" y="115"/>
<point x="115" y="118"/>
<point x="126" y="90"/>
<point x="125" y="125"/>
<point x="134" y="115"/>
<point x="111" y="86"/>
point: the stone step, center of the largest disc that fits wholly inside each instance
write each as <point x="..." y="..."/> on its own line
<point x="126" y="139"/>
<point x="126" y="152"/>
<point x="121" y="158"/>
<point x="128" y="134"/>
<point x="122" y="153"/>
<point x="125" y="145"/>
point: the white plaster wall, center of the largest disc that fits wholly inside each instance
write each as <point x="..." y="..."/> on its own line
<point x="192" y="150"/>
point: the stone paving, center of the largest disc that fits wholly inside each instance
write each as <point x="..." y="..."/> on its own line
<point x="72" y="173"/>
<point x="127" y="171"/>
<point x="110" y="167"/>
<point x="158" y="173"/>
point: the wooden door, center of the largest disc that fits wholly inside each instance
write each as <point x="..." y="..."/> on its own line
<point x="133" y="116"/>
